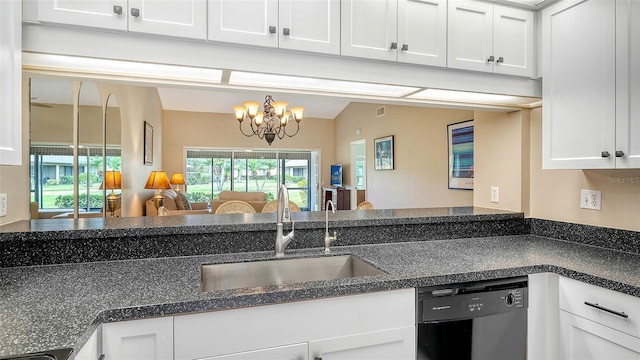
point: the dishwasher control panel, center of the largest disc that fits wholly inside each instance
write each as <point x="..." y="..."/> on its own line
<point x="460" y="301"/>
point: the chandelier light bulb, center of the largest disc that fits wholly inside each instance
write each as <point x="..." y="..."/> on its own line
<point x="240" y="112"/>
<point x="252" y="108"/>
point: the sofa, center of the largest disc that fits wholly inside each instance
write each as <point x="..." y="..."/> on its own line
<point x="257" y="199"/>
<point x="176" y="205"/>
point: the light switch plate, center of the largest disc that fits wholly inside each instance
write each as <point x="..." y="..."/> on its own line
<point x="3" y="205"/>
<point x="495" y="194"/>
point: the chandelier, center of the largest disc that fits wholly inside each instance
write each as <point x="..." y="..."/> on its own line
<point x="272" y="121"/>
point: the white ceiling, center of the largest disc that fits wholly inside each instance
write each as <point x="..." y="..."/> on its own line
<point x="222" y="101"/>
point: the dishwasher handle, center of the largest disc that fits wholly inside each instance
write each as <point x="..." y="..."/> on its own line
<point x="618" y="313"/>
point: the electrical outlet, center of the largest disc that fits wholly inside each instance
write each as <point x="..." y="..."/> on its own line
<point x="3" y="205"/>
<point x="495" y="194"/>
<point x="591" y="199"/>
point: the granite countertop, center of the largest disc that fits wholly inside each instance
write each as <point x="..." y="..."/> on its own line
<point x="54" y="306"/>
<point x="169" y="225"/>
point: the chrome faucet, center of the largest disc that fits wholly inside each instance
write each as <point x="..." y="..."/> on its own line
<point x="283" y="215"/>
<point x="328" y="239"/>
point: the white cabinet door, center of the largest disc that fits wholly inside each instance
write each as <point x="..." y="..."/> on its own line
<point x="182" y="18"/>
<point x="287" y="352"/>
<point x="490" y="38"/>
<point x="310" y="25"/>
<point x="217" y="333"/>
<point x="148" y="339"/>
<point x="390" y="344"/>
<point x="513" y="41"/>
<point x="369" y="29"/>
<point x="628" y="85"/>
<point x="108" y="14"/>
<point x="248" y="22"/>
<point x="422" y="32"/>
<point x="579" y="87"/>
<point x="582" y="339"/>
<point x="470" y="45"/>
<point x="11" y="82"/>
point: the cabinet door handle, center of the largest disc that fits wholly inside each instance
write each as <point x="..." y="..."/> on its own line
<point x="117" y="9"/>
<point x="605" y="154"/>
<point x="393" y="46"/>
<point x="619" y="153"/>
<point x="618" y="313"/>
<point x="135" y="12"/>
<point x="500" y="59"/>
<point x="272" y="30"/>
<point x="286" y="31"/>
<point x="405" y="47"/>
<point x="317" y="358"/>
<point x="491" y="58"/>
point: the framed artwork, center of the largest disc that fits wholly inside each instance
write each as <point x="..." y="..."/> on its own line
<point x="148" y="144"/>
<point x="460" y="141"/>
<point x="383" y="149"/>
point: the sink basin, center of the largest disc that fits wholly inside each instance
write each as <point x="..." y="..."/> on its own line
<point x="283" y="271"/>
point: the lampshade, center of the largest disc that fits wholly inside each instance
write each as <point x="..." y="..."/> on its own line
<point x="112" y="180"/>
<point x="177" y="179"/>
<point x="157" y="180"/>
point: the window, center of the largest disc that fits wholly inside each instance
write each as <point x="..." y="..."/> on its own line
<point x="51" y="169"/>
<point x="211" y="171"/>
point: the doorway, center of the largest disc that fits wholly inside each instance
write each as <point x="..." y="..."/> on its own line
<point x="358" y="171"/>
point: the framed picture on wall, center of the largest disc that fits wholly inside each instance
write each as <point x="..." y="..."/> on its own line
<point x="460" y="141"/>
<point x="383" y="150"/>
<point x="148" y="144"/>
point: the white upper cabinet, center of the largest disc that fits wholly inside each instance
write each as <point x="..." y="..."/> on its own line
<point x="490" y="38"/>
<point x="591" y="72"/>
<point x="100" y="13"/>
<point x="412" y="31"/>
<point x="422" y="32"/>
<point x="627" y="149"/>
<point x="369" y="29"/>
<point x="250" y="22"/>
<point x="310" y="25"/>
<point x="10" y="83"/>
<point x="181" y="18"/>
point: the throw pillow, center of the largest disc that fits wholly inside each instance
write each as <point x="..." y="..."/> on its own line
<point x="182" y="203"/>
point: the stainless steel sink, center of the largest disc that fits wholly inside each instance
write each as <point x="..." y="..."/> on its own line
<point x="283" y="271"/>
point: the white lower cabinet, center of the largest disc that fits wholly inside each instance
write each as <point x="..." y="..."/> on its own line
<point x="146" y="339"/>
<point x="583" y="339"/>
<point x="388" y="344"/>
<point x="365" y="326"/>
<point x="597" y="323"/>
<point x="288" y="352"/>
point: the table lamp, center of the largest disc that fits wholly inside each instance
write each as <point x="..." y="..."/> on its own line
<point x="177" y="179"/>
<point x="112" y="180"/>
<point x="158" y="181"/>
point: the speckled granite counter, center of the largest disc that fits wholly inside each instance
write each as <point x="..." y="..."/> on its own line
<point x="44" y="307"/>
<point x="41" y="242"/>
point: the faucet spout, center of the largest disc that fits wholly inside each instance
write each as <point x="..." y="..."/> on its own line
<point x="283" y="215"/>
<point x="328" y="239"/>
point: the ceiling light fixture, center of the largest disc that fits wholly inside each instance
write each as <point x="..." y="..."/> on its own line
<point x="272" y="121"/>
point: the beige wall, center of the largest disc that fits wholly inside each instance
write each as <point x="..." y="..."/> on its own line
<point x="555" y="194"/>
<point x="420" y="135"/>
<point x="137" y="105"/>
<point x="208" y="130"/>
<point x="501" y="159"/>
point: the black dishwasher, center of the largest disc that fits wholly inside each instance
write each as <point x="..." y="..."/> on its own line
<point x="475" y="320"/>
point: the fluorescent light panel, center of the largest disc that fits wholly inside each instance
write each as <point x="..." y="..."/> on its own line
<point x="313" y="84"/>
<point x="462" y="96"/>
<point x="122" y="68"/>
